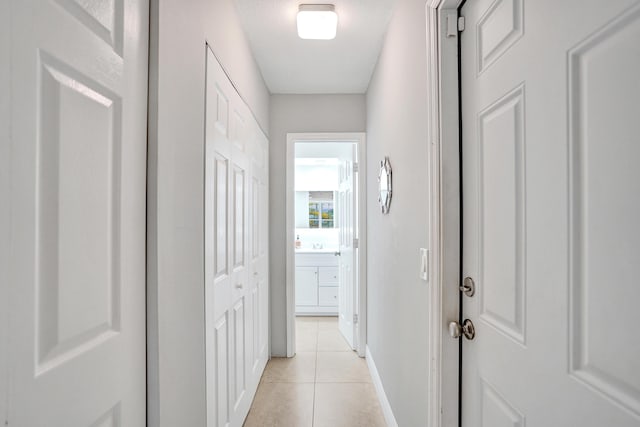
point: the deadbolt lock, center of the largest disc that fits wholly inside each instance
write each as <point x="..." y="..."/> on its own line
<point x="456" y="330"/>
<point x="468" y="287"/>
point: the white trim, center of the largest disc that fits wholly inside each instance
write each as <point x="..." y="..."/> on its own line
<point x="442" y="119"/>
<point x="290" y="332"/>
<point x="382" y="396"/>
<point x="435" y="284"/>
<point x="6" y="160"/>
<point x="359" y="138"/>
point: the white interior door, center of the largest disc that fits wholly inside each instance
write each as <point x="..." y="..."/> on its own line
<point x="258" y="312"/>
<point x="77" y="213"/>
<point x="346" y="213"/>
<point x="236" y="287"/>
<point x="551" y="199"/>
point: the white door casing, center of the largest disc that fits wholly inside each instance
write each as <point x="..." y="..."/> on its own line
<point x="444" y="209"/>
<point x="236" y="286"/>
<point x="77" y="212"/>
<point x="5" y="211"/>
<point x="360" y="297"/>
<point x="5" y="194"/>
<point x="551" y="194"/>
<point x="346" y="216"/>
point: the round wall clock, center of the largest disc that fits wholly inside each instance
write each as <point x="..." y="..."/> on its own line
<point x="384" y="185"/>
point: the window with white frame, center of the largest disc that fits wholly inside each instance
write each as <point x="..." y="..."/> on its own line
<point x="321" y="209"/>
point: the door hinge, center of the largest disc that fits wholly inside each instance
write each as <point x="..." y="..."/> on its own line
<point x="356" y="167"/>
<point x="356" y="243"/>
<point x="355" y="318"/>
<point x="461" y="23"/>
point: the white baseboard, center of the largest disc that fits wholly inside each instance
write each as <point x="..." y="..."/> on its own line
<point x="382" y="396"/>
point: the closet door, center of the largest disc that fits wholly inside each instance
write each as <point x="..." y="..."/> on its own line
<point x="219" y="256"/>
<point x="258" y="277"/>
<point x="235" y="280"/>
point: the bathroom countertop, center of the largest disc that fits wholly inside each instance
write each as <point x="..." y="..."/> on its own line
<point x="316" y="251"/>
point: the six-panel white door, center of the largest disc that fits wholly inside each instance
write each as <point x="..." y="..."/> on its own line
<point x="551" y="199"/>
<point x="236" y="285"/>
<point x="347" y="266"/>
<point x="258" y="335"/>
<point x="77" y="197"/>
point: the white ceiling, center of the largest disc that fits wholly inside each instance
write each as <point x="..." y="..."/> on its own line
<point x="292" y="65"/>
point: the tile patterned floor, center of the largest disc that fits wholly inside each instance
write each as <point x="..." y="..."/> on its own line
<point x="324" y="385"/>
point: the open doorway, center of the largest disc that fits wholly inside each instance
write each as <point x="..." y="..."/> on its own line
<point x="326" y="254"/>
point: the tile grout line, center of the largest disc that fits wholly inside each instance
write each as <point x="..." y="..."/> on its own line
<point x="315" y="377"/>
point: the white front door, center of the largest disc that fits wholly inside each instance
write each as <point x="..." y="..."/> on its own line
<point x="347" y="196"/>
<point x="77" y="199"/>
<point x="551" y="192"/>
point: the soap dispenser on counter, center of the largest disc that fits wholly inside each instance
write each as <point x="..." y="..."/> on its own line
<point x="298" y="242"/>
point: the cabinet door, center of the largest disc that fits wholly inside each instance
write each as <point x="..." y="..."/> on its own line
<point x="328" y="276"/>
<point x="328" y="296"/>
<point x="307" y="286"/>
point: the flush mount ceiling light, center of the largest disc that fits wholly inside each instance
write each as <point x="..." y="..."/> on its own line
<point x="317" y="21"/>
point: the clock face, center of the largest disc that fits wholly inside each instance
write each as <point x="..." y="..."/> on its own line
<point x="384" y="185"/>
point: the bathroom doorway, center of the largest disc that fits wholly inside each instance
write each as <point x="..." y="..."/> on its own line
<point x="325" y="230"/>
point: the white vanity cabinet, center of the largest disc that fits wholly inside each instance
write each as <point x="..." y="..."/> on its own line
<point x="316" y="283"/>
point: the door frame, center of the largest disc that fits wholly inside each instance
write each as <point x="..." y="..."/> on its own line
<point x="5" y="209"/>
<point x="445" y="209"/>
<point x="361" y="306"/>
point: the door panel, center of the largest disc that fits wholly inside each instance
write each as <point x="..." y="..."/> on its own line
<point x="551" y="193"/>
<point x="234" y="265"/>
<point x="500" y="178"/>
<point x="255" y="219"/>
<point x="220" y="199"/>
<point x="604" y="194"/>
<point x="255" y="331"/>
<point x="500" y="26"/>
<point x="238" y="217"/>
<point x="78" y="163"/>
<point x="239" y="350"/>
<point x="220" y="378"/>
<point x="78" y="219"/>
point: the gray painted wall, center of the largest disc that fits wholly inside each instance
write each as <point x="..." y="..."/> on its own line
<point x="175" y="296"/>
<point x="397" y="298"/>
<point x="289" y="114"/>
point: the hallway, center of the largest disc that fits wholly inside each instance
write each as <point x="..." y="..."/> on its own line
<point x="325" y="384"/>
<point x="474" y="231"/>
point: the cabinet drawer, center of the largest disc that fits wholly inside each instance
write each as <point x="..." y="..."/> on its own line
<point x="309" y="259"/>
<point x="328" y="276"/>
<point x="328" y="296"/>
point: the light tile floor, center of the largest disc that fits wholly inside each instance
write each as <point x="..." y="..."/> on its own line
<point x="325" y="385"/>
